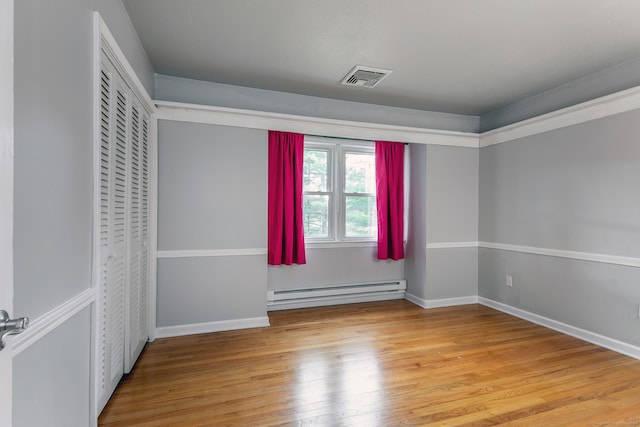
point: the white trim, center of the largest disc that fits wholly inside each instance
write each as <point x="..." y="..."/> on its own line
<point x="616" y="103"/>
<point x="95" y="246"/>
<point x="582" y="256"/>
<point x="6" y="198"/>
<point x="153" y="226"/>
<point x="558" y="253"/>
<point x="110" y="47"/>
<point x="442" y="302"/>
<point x="211" y="253"/>
<point x="197" y="253"/>
<point x="207" y="327"/>
<point x="452" y="245"/>
<point x="340" y="245"/>
<point x="194" y="113"/>
<point x="46" y="323"/>
<point x="592" y="337"/>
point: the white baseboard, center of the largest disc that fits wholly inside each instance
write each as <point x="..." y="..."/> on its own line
<point x="334" y="300"/>
<point x="443" y="302"/>
<point x="592" y="337"/>
<point x="218" y="326"/>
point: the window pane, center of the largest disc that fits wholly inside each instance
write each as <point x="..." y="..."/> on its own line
<point x="315" y="170"/>
<point x="360" y="173"/>
<point x="316" y="216"/>
<point x="361" y="216"/>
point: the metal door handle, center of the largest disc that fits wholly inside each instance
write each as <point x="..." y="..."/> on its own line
<point x="11" y="326"/>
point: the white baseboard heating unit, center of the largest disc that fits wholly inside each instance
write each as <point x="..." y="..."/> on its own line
<point x="335" y="294"/>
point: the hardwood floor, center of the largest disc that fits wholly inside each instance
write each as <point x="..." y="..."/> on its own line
<point x="379" y="364"/>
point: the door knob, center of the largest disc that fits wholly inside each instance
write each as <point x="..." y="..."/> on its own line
<point x="11" y="326"/>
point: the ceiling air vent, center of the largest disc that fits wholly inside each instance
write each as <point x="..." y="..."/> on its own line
<point x="364" y="76"/>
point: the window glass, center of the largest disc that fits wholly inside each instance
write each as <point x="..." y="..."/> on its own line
<point x="316" y="168"/>
<point x="361" y="216"/>
<point x="360" y="173"/>
<point x="316" y="216"/>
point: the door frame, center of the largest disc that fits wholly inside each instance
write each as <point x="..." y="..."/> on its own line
<point x="6" y="200"/>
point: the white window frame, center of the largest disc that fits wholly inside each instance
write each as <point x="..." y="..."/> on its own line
<point x="337" y="148"/>
<point x="331" y="187"/>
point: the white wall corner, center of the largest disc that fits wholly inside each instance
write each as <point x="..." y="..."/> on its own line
<point x="443" y="302"/>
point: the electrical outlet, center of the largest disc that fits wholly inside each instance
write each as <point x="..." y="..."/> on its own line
<point x="509" y="281"/>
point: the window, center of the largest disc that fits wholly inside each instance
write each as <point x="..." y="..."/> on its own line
<point x="339" y="190"/>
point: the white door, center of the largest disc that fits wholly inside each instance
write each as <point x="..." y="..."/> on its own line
<point x="113" y="206"/>
<point x="6" y="198"/>
<point x="123" y="225"/>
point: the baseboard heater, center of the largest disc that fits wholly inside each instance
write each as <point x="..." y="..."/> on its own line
<point x="335" y="294"/>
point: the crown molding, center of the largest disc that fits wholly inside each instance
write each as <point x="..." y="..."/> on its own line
<point x="605" y="106"/>
<point x="178" y="111"/>
<point x="616" y="103"/>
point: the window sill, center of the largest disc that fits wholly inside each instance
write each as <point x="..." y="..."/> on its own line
<point x="341" y="245"/>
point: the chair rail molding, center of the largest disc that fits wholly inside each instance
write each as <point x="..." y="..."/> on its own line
<point x="43" y="325"/>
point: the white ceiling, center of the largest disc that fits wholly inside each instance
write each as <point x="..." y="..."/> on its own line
<point x="460" y="56"/>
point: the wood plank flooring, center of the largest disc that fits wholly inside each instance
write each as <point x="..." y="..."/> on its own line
<point x="379" y="364"/>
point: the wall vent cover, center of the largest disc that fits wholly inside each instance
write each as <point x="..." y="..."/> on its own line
<point x="364" y="76"/>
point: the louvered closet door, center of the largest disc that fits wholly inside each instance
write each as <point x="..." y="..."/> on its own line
<point x="145" y="251"/>
<point x="137" y="325"/>
<point x="124" y="230"/>
<point x="114" y="126"/>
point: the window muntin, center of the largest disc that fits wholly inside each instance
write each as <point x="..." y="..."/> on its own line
<point x="345" y="211"/>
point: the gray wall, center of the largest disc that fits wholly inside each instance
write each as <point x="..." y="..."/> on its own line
<point x="211" y="289"/>
<point x="54" y="189"/>
<point x="416" y="248"/>
<point x="212" y="183"/>
<point x="51" y="377"/>
<point x="177" y="89"/>
<point x="570" y="189"/>
<point x="448" y="185"/>
<point x="53" y="150"/>
<point x="212" y="187"/>
<point x="451" y="217"/>
<point x="213" y="195"/>
<point x="452" y="194"/>
<point x="443" y="208"/>
<point x="333" y="266"/>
